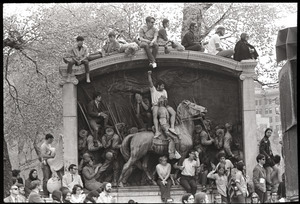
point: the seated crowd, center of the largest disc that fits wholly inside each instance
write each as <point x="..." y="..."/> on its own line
<point x="150" y="38"/>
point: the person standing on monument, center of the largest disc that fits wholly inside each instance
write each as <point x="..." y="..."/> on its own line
<point x="276" y="174"/>
<point x="228" y="141"/>
<point x="96" y="115"/>
<point x="214" y="44"/>
<point x="111" y="143"/>
<point x="265" y="149"/>
<point x="156" y="93"/>
<point x="148" y="36"/>
<point x="79" y="55"/>
<point x="143" y="112"/>
<point x="46" y="153"/>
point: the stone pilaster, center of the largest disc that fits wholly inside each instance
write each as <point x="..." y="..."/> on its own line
<point x="249" y="118"/>
<point x="70" y="121"/>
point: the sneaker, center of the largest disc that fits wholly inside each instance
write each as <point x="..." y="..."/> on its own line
<point x="88" y="80"/>
<point x="157" y="134"/>
<point x="172" y="130"/>
<point x="154" y="65"/>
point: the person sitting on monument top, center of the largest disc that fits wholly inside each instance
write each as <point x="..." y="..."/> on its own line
<point x="189" y="40"/>
<point x="112" y="46"/>
<point x="111" y="143"/>
<point x="156" y="93"/>
<point x="143" y="112"/>
<point x="148" y="37"/>
<point x="243" y="50"/>
<point x="163" y="39"/>
<point x="79" y="55"/>
<point x="163" y="116"/>
<point x="214" y="46"/>
<point x="96" y="115"/>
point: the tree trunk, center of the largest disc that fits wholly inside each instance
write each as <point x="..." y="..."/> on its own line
<point x="7" y="169"/>
<point x="193" y="12"/>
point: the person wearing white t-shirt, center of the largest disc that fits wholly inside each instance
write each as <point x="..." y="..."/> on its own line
<point x="214" y="46"/>
<point x="156" y="93"/>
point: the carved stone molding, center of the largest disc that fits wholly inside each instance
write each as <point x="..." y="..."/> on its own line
<point x="73" y="80"/>
<point x="112" y="60"/>
<point x="244" y="76"/>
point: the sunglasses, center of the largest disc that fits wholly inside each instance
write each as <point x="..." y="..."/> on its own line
<point x="14" y="189"/>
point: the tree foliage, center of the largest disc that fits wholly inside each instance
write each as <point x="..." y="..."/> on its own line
<point x="33" y="47"/>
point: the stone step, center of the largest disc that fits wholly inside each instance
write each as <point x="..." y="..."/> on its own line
<point x="151" y="194"/>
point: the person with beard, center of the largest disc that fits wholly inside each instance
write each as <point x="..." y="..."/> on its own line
<point x="105" y="196"/>
<point x="243" y="50"/>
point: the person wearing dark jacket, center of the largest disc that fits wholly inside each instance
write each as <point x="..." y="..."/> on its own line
<point x="189" y="40"/>
<point x="243" y="50"/>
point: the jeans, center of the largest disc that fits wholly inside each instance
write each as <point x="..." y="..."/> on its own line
<point x="165" y="189"/>
<point x="72" y="62"/>
<point x="189" y="184"/>
<point x="151" y="56"/>
<point x="46" y="176"/>
<point x="196" y="47"/>
<point x="225" y="53"/>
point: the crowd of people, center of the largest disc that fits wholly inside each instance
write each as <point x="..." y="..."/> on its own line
<point x="150" y="38"/>
<point x="229" y="178"/>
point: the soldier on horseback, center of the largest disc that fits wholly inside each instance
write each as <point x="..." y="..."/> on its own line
<point x="163" y="116"/>
<point x="156" y="93"/>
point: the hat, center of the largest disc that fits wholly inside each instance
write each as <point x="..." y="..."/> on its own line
<point x="86" y="156"/>
<point x="109" y="131"/>
<point x="83" y="133"/>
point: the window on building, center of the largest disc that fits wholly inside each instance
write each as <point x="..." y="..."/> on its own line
<point x="271" y="127"/>
<point x="277" y="127"/>
<point x="256" y="111"/>
<point x="266" y="101"/>
<point x="270" y="101"/>
<point x="256" y="102"/>
<point x="270" y="119"/>
<point x="277" y="111"/>
<point x="266" y="111"/>
<point x="270" y="111"/>
<point x="277" y="118"/>
<point x="259" y="102"/>
<point x="259" y="111"/>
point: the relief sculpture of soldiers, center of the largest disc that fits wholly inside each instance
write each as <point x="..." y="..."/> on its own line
<point x="147" y="102"/>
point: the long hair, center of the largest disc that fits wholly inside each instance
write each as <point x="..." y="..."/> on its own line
<point x="30" y="175"/>
<point x="267" y="131"/>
